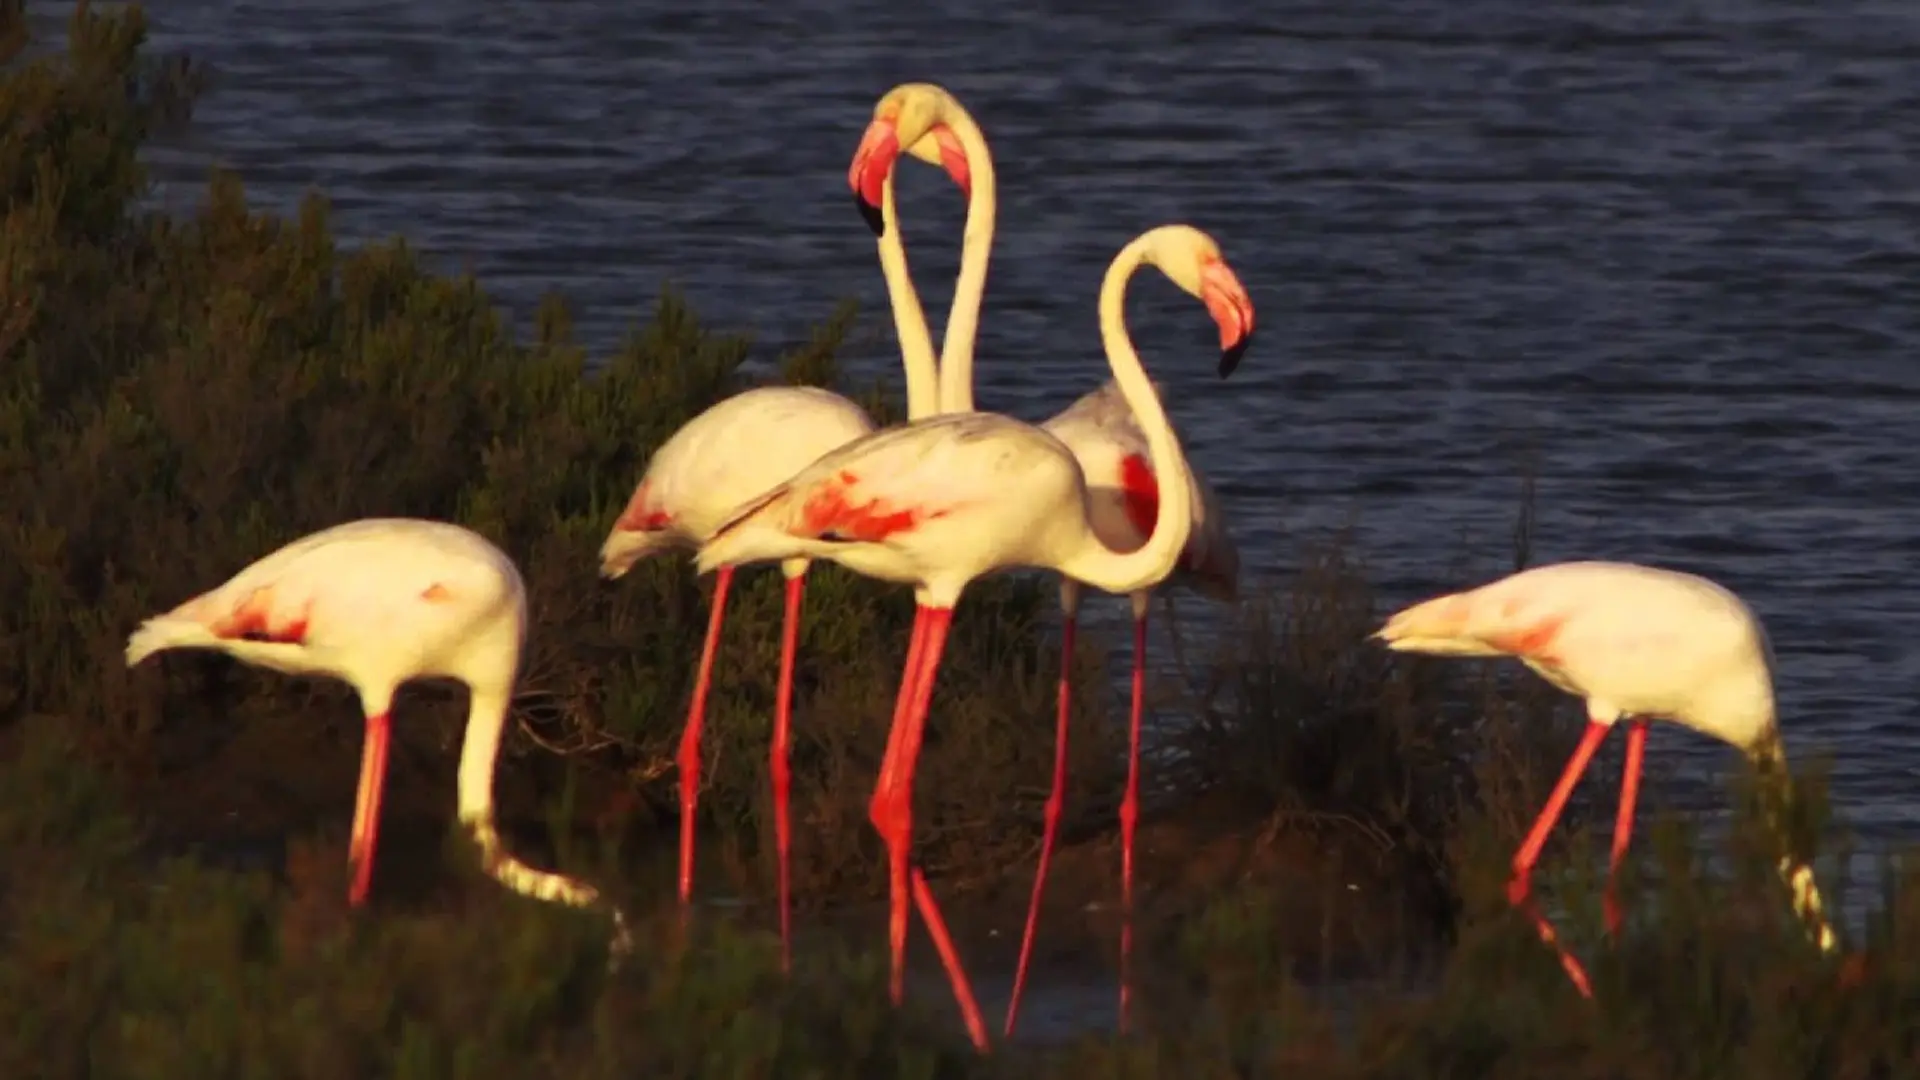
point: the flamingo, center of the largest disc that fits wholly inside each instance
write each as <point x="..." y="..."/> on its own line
<point x="939" y="502"/>
<point x="1637" y="643"/>
<point x="1100" y="429"/>
<point x="378" y="603"/>
<point x="728" y="454"/>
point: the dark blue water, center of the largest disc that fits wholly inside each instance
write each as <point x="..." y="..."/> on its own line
<point x="1665" y="256"/>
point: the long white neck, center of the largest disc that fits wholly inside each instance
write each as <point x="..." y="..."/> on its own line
<point x="480" y="750"/>
<point x="486" y="719"/>
<point x="1150" y="564"/>
<point x="976" y="249"/>
<point x="909" y="319"/>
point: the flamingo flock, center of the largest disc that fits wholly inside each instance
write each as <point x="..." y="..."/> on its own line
<point x="1101" y="494"/>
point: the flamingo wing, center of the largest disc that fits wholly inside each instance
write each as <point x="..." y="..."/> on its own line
<point x="893" y="479"/>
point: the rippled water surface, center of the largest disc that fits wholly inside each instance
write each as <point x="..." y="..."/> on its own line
<point x="1664" y="255"/>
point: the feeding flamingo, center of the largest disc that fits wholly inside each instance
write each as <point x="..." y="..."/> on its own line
<point x="378" y="603"/>
<point x="1637" y="643"/>
<point x="728" y="454"/>
<point x="1100" y="429"/>
<point x="937" y="503"/>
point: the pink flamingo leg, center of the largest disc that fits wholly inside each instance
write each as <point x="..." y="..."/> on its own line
<point x="950" y="958"/>
<point x="1623" y="823"/>
<point x="1520" y="887"/>
<point x="892" y="812"/>
<point x="1130" y="815"/>
<point x="366" y="807"/>
<point x="896" y="870"/>
<point x="778" y="754"/>
<point x="1054" y="803"/>
<point x="689" y="758"/>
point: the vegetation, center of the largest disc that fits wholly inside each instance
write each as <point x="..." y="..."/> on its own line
<point x="179" y="395"/>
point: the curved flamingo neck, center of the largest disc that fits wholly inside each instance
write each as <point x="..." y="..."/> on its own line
<point x="480" y="749"/>
<point x="909" y="319"/>
<point x="976" y="249"/>
<point x="1096" y="564"/>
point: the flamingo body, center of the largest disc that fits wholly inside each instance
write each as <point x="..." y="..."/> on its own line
<point x="923" y="504"/>
<point x="374" y="602"/>
<point x="1637" y="643"/>
<point x="723" y="457"/>
<point x="378" y="603"/>
<point x="1631" y="640"/>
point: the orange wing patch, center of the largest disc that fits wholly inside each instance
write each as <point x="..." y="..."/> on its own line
<point x="1534" y="641"/>
<point x="254" y="619"/>
<point x="1141" y="493"/>
<point x="830" y="515"/>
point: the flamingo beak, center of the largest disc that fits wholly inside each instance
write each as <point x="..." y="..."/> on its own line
<point x="872" y="161"/>
<point x="1231" y="308"/>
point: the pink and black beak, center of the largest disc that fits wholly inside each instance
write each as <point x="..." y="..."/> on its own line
<point x="872" y="161"/>
<point x="1232" y="309"/>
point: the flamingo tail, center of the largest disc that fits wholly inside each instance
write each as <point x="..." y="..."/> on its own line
<point x="164" y="632"/>
<point x="1443" y="626"/>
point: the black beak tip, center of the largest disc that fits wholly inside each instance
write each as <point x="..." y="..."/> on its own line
<point x="870" y="214"/>
<point x="1230" y="356"/>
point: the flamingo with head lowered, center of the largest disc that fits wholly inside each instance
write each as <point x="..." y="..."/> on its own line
<point x="378" y="603"/>
<point x="728" y="454"/>
<point x="1100" y="429"/>
<point x="1637" y="643"/>
<point x="939" y="502"/>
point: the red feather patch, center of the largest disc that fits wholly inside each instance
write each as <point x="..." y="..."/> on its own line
<point x="253" y="620"/>
<point x="830" y="515"/>
<point x="1141" y="491"/>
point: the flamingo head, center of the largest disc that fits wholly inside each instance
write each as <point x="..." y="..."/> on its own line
<point x="917" y="116"/>
<point x="1192" y="260"/>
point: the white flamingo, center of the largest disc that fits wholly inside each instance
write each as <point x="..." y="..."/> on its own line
<point x="1100" y="429"/>
<point x="939" y="502"/>
<point x="378" y="603"/>
<point x="1637" y="643"/>
<point x="728" y="454"/>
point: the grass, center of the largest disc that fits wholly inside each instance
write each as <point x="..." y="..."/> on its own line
<point x="182" y="393"/>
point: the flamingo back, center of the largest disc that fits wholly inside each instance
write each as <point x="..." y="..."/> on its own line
<point x="1633" y="640"/>
<point x="732" y="452"/>
<point x="375" y="602"/>
<point x="947" y="498"/>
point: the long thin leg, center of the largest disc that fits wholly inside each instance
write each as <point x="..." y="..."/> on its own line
<point x="366" y="807"/>
<point x="778" y="764"/>
<point x="893" y="811"/>
<point x="1130" y="812"/>
<point x="689" y="758"/>
<point x="1623" y="823"/>
<point x="897" y="880"/>
<point x="1520" y="886"/>
<point x="950" y="958"/>
<point x="1055" y="801"/>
